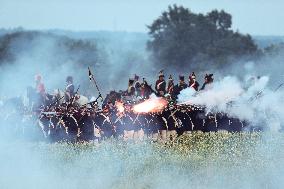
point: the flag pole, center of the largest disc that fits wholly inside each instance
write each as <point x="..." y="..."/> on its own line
<point x="92" y="78"/>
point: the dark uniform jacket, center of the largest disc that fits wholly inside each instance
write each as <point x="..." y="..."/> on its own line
<point x="160" y="87"/>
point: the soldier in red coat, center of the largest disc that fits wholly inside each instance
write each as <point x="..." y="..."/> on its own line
<point x="160" y="85"/>
<point x="39" y="85"/>
<point x="170" y="88"/>
<point x="192" y="82"/>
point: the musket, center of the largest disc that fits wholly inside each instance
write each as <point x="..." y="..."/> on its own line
<point x="279" y="86"/>
<point x="50" y="105"/>
<point x="260" y="93"/>
<point x="91" y="76"/>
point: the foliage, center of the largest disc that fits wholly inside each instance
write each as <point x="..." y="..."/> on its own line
<point x="180" y="38"/>
<point x="274" y="49"/>
<point x="58" y="48"/>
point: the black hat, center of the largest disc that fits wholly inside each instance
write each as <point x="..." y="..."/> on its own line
<point x="136" y="77"/>
<point x="192" y="76"/>
<point x="131" y="81"/>
<point x="161" y="73"/>
<point x="209" y="77"/>
<point x="181" y="77"/>
<point x="69" y="79"/>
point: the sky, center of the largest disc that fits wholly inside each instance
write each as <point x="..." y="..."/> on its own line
<point x="256" y="17"/>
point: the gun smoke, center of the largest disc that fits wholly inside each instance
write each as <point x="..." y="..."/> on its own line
<point x="25" y="165"/>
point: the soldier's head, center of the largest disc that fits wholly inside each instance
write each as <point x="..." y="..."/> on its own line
<point x="136" y="77"/>
<point x="161" y="75"/>
<point x="130" y="82"/>
<point x="208" y="78"/>
<point x="37" y="78"/>
<point x="192" y="76"/>
<point x="171" y="80"/>
<point x="181" y="79"/>
<point x="144" y="82"/>
<point x="69" y="79"/>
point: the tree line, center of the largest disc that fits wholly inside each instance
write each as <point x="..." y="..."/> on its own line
<point x="180" y="38"/>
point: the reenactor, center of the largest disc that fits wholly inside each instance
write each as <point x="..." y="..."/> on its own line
<point x="208" y="79"/>
<point x="160" y="85"/>
<point x="39" y="85"/>
<point x="146" y="90"/>
<point x="182" y="85"/>
<point x="131" y="88"/>
<point x="171" y="123"/>
<point x="119" y="124"/>
<point x="40" y="89"/>
<point x="137" y="85"/>
<point x="69" y="90"/>
<point x="128" y="120"/>
<point x="184" y="120"/>
<point x="170" y="88"/>
<point x="138" y="126"/>
<point x="104" y="123"/>
<point x="192" y="82"/>
<point x="210" y="123"/>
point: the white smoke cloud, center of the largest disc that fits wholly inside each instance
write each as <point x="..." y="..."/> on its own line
<point x="251" y="100"/>
<point x="25" y="165"/>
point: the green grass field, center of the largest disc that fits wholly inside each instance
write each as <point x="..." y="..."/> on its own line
<point x="198" y="160"/>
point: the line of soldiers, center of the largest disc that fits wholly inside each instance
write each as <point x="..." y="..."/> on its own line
<point x="163" y="88"/>
<point x="40" y="96"/>
<point x="117" y="117"/>
<point x="85" y="124"/>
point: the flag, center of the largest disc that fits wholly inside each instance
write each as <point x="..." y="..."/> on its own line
<point x="90" y="74"/>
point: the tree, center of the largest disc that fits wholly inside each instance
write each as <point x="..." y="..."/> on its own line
<point x="180" y="38"/>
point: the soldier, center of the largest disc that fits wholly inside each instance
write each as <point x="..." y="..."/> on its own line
<point x="86" y="127"/>
<point x="192" y="82"/>
<point x="40" y="89"/>
<point x="137" y="85"/>
<point x="161" y="84"/>
<point x="208" y="79"/>
<point x="182" y="85"/>
<point x="156" y="124"/>
<point x="170" y="88"/>
<point x="210" y="123"/>
<point x="184" y="119"/>
<point x="138" y="126"/>
<point x="128" y="120"/>
<point x="131" y="88"/>
<point x="119" y="124"/>
<point x="104" y="123"/>
<point x="171" y="122"/>
<point x="223" y="121"/>
<point x="69" y="90"/>
<point x="39" y="85"/>
<point x="148" y="128"/>
<point x="146" y="90"/>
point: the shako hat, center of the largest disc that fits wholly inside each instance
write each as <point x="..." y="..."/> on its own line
<point x="161" y="73"/>
<point x="69" y="79"/>
<point x="181" y="77"/>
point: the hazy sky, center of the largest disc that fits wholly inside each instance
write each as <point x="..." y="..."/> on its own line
<point x="257" y="17"/>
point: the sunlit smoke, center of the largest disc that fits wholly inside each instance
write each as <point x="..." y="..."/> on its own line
<point x="119" y="106"/>
<point x="250" y="100"/>
<point x="154" y="104"/>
